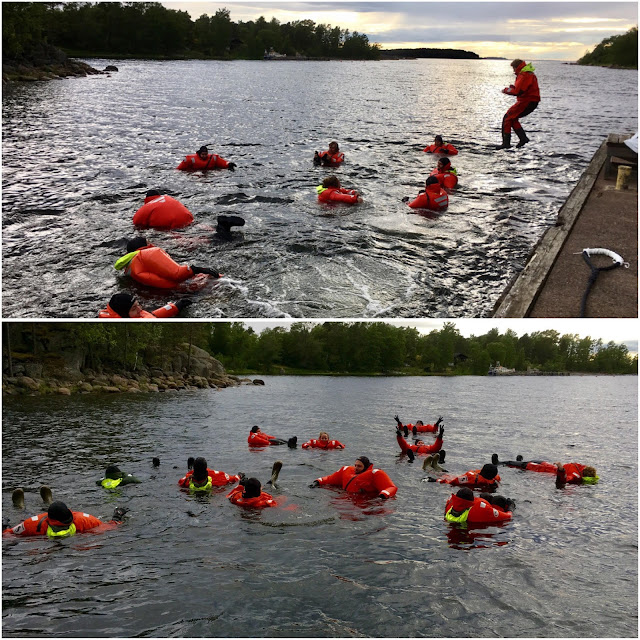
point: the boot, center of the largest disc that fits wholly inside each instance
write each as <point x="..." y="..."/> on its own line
<point x="506" y="141"/>
<point x="522" y="137"/>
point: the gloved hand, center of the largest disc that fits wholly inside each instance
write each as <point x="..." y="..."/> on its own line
<point x="438" y="421"/>
<point x="207" y="270"/>
<point x="314" y="484"/>
<point x="441" y="432"/>
<point x="430" y="479"/>
<point x="184" y="303"/>
<point x="397" y="419"/>
<point x="383" y="496"/>
<point x="316" y="158"/>
<point x="399" y="432"/>
<point x="232" y="166"/>
<point x="444" y="151"/>
<point x="118" y="513"/>
<point x="405" y="199"/>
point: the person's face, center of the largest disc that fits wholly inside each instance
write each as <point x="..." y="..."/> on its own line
<point x="419" y="442"/>
<point x="324" y="437"/>
<point x="441" y="164"/>
<point x="203" y="155"/>
<point x="135" y="310"/>
<point x="333" y="147"/>
<point x="359" y="466"/>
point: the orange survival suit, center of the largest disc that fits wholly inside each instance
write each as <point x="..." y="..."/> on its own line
<point x="194" y="162"/>
<point x="162" y="212"/>
<point x="322" y="444"/>
<point x="218" y="478"/>
<point x="479" y="511"/>
<point x="39" y="525"/>
<point x="337" y="194"/>
<point x="259" y="502"/>
<point x="371" y="480"/>
<point x="420" y="449"/>
<point x="154" y="267"/>
<point x="433" y="197"/>
<point x="168" y="311"/>
<point x="447" y="149"/>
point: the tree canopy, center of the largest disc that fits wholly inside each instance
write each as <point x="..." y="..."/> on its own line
<point x="615" y="51"/>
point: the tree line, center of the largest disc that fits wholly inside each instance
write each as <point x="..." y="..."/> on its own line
<point x="615" y="51"/>
<point x="147" y="29"/>
<point x="357" y="348"/>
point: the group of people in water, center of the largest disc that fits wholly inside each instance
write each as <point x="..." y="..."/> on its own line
<point x="362" y="478"/>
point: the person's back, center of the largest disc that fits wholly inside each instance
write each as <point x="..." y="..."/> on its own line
<point x="162" y="212"/>
<point x="250" y="495"/>
<point x="466" y="508"/>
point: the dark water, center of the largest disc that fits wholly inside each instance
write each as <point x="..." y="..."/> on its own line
<point x="324" y="564"/>
<point x="79" y="155"/>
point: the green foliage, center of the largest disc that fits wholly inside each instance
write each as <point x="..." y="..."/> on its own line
<point x="149" y="29"/>
<point x="616" y="51"/>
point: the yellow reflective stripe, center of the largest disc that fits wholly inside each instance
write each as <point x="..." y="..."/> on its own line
<point x="461" y="518"/>
<point x="110" y="483"/>
<point x="65" y="533"/>
<point x="204" y="487"/>
<point x="590" y="479"/>
<point x="320" y="189"/>
<point x="121" y="263"/>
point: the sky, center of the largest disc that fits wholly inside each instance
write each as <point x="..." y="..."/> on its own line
<point x="528" y="30"/>
<point x="618" y="330"/>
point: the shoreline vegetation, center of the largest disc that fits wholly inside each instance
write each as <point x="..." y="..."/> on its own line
<point x="67" y="358"/>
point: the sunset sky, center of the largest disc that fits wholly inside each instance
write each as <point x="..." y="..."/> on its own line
<point x="532" y="30"/>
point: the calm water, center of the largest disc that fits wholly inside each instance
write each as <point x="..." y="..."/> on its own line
<point x="79" y="155"/>
<point x="325" y="565"/>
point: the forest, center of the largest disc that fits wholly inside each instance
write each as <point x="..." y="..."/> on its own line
<point x="615" y="51"/>
<point x="149" y="30"/>
<point x="335" y="348"/>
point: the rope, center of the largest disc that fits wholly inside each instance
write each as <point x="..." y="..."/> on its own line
<point x="595" y="271"/>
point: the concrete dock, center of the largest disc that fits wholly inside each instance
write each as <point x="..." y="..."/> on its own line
<point x="595" y="215"/>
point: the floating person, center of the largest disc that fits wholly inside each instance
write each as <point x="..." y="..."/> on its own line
<point x="420" y="448"/>
<point x="114" y="478"/>
<point x="249" y="494"/>
<point x="439" y="146"/>
<point x="202" y="160"/>
<point x="362" y="477"/>
<point x="322" y="442"/>
<point x="60" y="522"/>
<point x="330" y="158"/>
<point x="433" y="197"/>
<point x="154" y="267"/>
<point x="201" y="479"/>
<point x="527" y="99"/>
<point x="124" y="305"/>
<point x="446" y="174"/>
<point x="486" y="478"/>
<point x="162" y="212"/>
<point x="331" y="191"/>
<point x="224" y="224"/>
<point x="541" y="466"/>
<point x="575" y="473"/>
<point x="257" y="438"/>
<point x="465" y="507"/>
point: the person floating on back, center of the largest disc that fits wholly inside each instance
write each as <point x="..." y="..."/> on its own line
<point x="201" y="479"/>
<point x="439" y="146"/>
<point x="202" y="160"/>
<point x="124" y="305"/>
<point x="114" y="478"/>
<point x="60" y="522"/>
<point x="154" y="267"/>
<point x="483" y="479"/>
<point x="420" y="448"/>
<point x="433" y="197"/>
<point x="323" y="442"/>
<point x="257" y="438"/>
<point x="527" y="99"/>
<point x="575" y="473"/>
<point x="418" y="427"/>
<point x="330" y="158"/>
<point x="362" y="477"/>
<point x="331" y="191"/>
<point x="162" y="212"/>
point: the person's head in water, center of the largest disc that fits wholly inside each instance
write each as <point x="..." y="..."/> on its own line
<point x="152" y="193"/>
<point x="362" y="464"/>
<point x="200" y="473"/>
<point x="428" y="182"/>
<point x="589" y="472"/>
<point x="333" y="147"/>
<point x="444" y="164"/>
<point x="125" y="305"/>
<point x="438" y="140"/>
<point x="252" y="488"/>
<point x="462" y="501"/>
<point x="255" y="429"/>
<point x="59" y="512"/>
<point x="136" y="243"/>
<point x="203" y="152"/>
<point x="489" y="471"/>
<point x="331" y="182"/>
<point x="112" y="472"/>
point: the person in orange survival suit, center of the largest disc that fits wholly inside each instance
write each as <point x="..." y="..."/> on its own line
<point x="481" y="479"/>
<point x="332" y="191"/>
<point x="465" y="507"/>
<point x="447" y="176"/>
<point x="433" y="197"/>
<point x="575" y="473"/>
<point x="418" y="427"/>
<point x="527" y="99"/>
<point x="257" y="438"/>
<point x="439" y="146"/>
<point x="162" y="212"/>
<point x="249" y="494"/>
<point x="420" y="447"/>
<point x="202" y="160"/>
<point x="201" y="479"/>
<point x="124" y="305"/>
<point x="362" y="477"/>
<point x="323" y="442"/>
<point x="60" y="522"/>
<point x="330" y="158"/>
<point x="540" y="466"/>
<point x="154" y="267"/>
